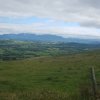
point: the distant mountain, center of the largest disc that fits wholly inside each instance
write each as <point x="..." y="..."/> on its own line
<point x="45" y="38"/>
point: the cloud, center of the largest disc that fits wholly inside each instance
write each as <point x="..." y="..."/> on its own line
<point x="58" y="9"/>
<point x="84" y="12"/>
<point x="39" y="28"/>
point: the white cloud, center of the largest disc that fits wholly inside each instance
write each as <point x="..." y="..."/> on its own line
<point x="84" y="12"/>
<point x="68" y="10"/>
<point x="39" y="28"/>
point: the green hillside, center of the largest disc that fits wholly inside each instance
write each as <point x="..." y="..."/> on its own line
<point x="48" y="78"/>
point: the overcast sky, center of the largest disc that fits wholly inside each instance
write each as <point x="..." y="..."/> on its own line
<point x="68" y="18"/>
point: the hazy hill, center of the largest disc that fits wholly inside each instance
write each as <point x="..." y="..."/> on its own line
<point x="46" y="38"/>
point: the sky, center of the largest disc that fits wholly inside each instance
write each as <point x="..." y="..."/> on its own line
<point x="67" y="18"/>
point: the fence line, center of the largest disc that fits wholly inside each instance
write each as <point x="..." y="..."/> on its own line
<point x="94" y="83"/>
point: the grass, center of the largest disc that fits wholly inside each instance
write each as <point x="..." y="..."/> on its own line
<point x="48" y="78"/>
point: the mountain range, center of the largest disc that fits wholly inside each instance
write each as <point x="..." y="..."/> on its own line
<point x="45" y="38"/>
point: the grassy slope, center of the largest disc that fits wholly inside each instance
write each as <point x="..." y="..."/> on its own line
<point x="62" y="74"/>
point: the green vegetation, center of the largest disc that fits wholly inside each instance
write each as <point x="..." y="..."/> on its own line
<point x="49" y="78"/>
<point x="47" y="71"/>
<point x="12" y="50"/>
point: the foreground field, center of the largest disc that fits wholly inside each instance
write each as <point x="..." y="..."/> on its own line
<point x="49" y="78"/>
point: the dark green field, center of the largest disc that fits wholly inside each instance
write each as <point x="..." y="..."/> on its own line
<point x="49" y="78"/>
